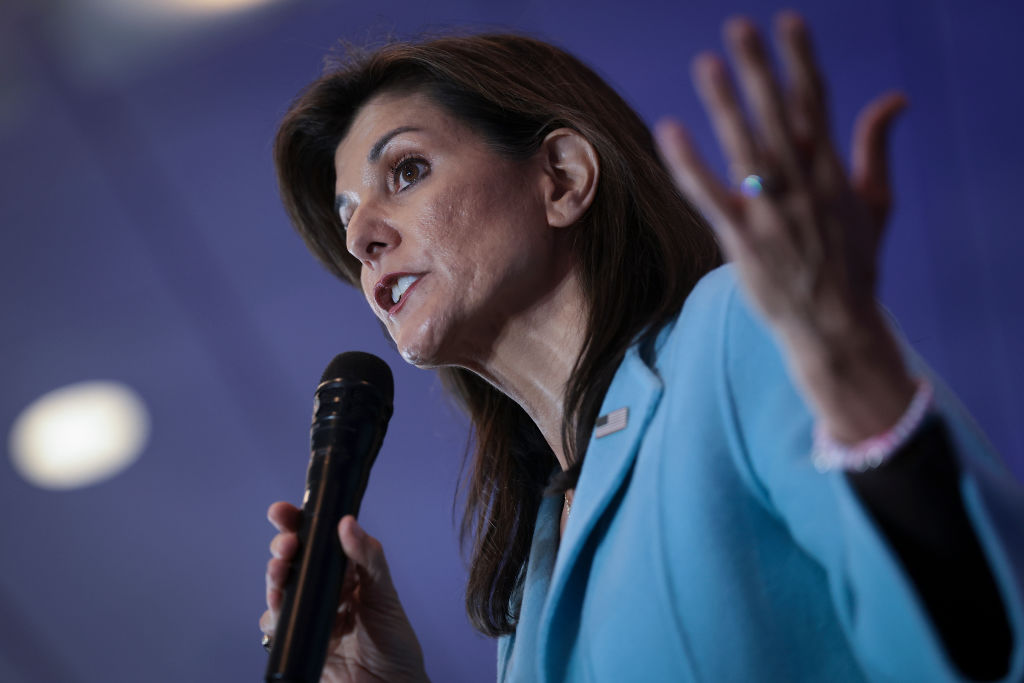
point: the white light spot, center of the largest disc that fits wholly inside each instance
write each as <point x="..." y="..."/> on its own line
<point x="180" y="9"/>
<point x="79" y="435"/>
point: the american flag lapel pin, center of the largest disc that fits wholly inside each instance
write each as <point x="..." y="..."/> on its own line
<point x="614" y="421"/>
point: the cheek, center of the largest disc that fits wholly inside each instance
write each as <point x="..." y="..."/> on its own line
<point x="450" y="220"/>
<point x="474" y="223"/>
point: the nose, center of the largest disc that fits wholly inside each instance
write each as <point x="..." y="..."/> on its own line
<point x="369" y="235"/>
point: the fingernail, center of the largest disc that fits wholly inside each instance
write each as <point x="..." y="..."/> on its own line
<point x="741" y="30"/>
<point x="357" y="530"/>
<point x="790" y="20"/>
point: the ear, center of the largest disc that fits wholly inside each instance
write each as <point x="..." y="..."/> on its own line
<point x="571" y="170"/>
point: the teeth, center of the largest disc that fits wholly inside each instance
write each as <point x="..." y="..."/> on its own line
<point x="398" y="289"/>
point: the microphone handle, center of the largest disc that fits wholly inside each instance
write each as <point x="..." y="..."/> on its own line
<point x="336" y="480"/>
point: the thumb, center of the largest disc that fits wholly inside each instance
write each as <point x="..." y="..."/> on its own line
<point x="366" y="553"/>
<point x="870" y="166"/>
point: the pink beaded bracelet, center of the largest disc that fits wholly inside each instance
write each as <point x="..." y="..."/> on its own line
<point x="829" y="454"/>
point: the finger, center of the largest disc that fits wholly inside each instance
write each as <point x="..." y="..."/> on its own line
<point x="692" y="176"/>
<point x="348" y="599"/>
<point x="284" y="545"/>
<point x="348" y="582"/>
<point x="277" y="574"/>
<point x="368" y="555"/>
<point x="808" y="97"/>
<point x="762" y="93"/>
<point x="267" y="623"/>
<point x="284" y="516"/>
<point x="719" y="98"/>
<point x="870" y="166"/>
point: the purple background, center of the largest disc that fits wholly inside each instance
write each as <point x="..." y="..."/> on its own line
<point x="143" y="241"/>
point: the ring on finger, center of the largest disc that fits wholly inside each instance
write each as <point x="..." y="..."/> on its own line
<point x="757" y="184"/>
<point x="753" y="185"/>
<point x="753" y="178"/>
<point x="267" y="642"/>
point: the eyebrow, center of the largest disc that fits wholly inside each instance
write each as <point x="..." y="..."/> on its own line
<point x="373" y="157"/>
<point x="378" y="146"/>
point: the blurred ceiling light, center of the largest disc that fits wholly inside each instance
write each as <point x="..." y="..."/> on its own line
<point x="78" y="435"/>
<point x="110" y="42"/>
<point x="182" y="9"/>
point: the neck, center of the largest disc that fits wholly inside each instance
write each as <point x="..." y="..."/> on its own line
<point x="534" y="354"/>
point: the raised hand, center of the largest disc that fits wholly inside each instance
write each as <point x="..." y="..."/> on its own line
<point x="372" y="640"/>
<point x="804" y="233"/>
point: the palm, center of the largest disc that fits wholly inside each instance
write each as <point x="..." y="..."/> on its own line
<point x="806" y="248"/>
<point x="370" y="645"/>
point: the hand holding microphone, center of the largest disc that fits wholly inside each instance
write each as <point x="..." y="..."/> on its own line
<point x="331" y="603"/>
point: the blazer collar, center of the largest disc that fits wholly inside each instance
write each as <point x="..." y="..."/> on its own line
<point x="609" y="460"/>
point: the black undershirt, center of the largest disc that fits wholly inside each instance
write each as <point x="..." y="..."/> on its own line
<point x="914" y="498"/>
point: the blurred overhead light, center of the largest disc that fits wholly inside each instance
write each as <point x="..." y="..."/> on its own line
<point x="79" y="435"/>
<point x="104" y="42"/>
<point x="178" y="9"/>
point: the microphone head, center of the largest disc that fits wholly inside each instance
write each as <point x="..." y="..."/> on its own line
<point x="358" y="366"/>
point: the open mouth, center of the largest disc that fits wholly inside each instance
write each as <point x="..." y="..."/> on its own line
<point x="391" y="292"/>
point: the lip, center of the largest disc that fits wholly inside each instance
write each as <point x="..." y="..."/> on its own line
<point x="382" y="291"/>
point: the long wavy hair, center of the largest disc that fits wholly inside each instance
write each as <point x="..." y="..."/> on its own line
<point x="638" y="251"/>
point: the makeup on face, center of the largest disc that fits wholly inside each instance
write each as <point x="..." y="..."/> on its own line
<point x="425" y="200"/>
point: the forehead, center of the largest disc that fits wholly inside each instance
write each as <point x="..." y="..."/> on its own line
<point x="385" y="113"/>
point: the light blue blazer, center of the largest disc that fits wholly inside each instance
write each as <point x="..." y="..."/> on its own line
<point x="704" y="546"/>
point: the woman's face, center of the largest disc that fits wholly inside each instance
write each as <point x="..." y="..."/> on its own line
<point x="453" y="238"/>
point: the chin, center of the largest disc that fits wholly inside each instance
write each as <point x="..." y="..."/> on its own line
<point x="420" y="360"/>
<point x="421" y="348"/>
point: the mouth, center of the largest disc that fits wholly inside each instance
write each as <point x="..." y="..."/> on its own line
<point x="392" y="290"/>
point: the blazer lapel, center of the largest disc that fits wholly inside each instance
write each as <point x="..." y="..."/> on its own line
<point x="609" y="459"/>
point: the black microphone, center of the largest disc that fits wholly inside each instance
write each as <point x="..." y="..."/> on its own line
<point x="351" y="409"/>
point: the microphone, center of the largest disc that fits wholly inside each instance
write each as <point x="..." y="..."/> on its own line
<point x="351" y="409"/>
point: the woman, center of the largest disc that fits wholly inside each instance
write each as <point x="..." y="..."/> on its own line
<point x="507" y="217"/>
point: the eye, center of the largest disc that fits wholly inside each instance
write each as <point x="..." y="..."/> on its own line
<point x="409" y="171"/>
<point x="344" y="204"/>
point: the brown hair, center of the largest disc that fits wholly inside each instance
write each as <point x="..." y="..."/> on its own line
<point x="639" y="250"/>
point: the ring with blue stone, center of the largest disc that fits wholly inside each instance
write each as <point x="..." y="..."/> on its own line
<point x="753" y="185"/>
